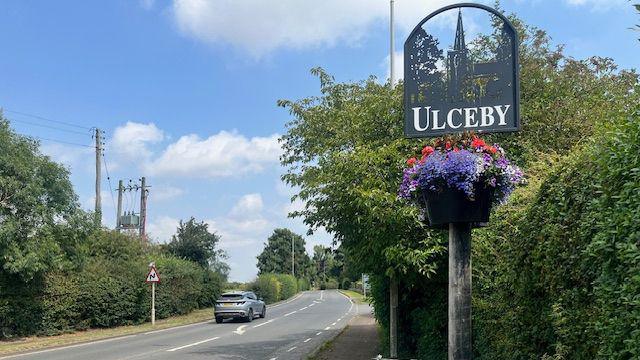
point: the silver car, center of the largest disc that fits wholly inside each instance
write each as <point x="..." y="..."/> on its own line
<point x="239" y="304"/>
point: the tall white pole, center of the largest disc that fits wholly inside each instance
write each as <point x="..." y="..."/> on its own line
<point x="293" y="258"/>
<point x="392" y="48"/>
<point x="153" y="303"/>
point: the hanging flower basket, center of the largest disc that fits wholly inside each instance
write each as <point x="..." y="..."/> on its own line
<point x="458" y="181"/>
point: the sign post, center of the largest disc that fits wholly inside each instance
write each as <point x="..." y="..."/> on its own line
<point x="457" y="93"/>
<point x="153" y="278"/>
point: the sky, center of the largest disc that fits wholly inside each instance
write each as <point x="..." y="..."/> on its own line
<point x="186" y="92"/>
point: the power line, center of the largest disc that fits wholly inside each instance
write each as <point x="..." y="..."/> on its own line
<point x="104" y="160"/>
<point x="60" y="141"/>
<point x="47" y="119"/>
<point x="48" y="126"/>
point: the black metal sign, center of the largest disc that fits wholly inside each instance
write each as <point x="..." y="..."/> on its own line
<point x="461" y="89"/>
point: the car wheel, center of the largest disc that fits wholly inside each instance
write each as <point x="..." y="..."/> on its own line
<point x="264" y="312"/>
<point x="250" y="315"/>
<point x="219" y="319"/>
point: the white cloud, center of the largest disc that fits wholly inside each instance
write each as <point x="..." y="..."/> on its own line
<point x="162" y="228"/>
<point x="259" y="27"/>
<point x="222" y="154"/>
<point x="132" y="139"/>
<point x="248" y="204"/>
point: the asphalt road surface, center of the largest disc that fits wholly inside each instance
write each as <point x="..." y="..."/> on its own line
<point x="290" y="331"/>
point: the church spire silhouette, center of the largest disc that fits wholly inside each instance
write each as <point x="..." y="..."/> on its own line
<point x="459" y="41"/>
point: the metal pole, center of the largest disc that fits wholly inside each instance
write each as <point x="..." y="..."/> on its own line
<point x="392" y="48"/>
<point x="98" y="206"/>
<point x="153" y="303"/>
<point x="393" y="289"/>
<point x="460" y="291"/>
<point x="119" y="211"/>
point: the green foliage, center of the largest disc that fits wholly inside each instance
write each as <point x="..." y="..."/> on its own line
<point x="344" y="149"/>
<point x="570" y="260"/>
<point x="288" y="285"/>
<point x="194" y="242"/>
<point x="303" y="284"/>
<point x="35" y="195"/>
<point x="276" y="256"/>
<point x="267" y="287"/>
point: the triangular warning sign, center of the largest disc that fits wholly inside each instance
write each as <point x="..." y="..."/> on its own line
<point x="153" y="277"/>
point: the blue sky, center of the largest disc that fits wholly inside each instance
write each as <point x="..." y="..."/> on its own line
<point x="186" y="90"/>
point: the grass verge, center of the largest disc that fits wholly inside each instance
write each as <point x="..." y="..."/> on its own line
<point x="355" y="296"/>
<point x="41" y="342"/>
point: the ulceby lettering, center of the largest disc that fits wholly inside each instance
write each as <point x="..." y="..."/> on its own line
<point x="471" y="118"/>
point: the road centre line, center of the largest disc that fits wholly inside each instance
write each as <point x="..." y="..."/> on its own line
<point x="286" y="302"/>
<point x="327" y="328"/>
<point x="309" y="339"/>
<point x="319" y="332"/>
<point x="291" y="349"/>
<point x="293" y="312"/>
<point x="67" y="347"/>
<point x="193" y="344"/>
<point x="304" y="308"/>
<point x="264" y="323"/>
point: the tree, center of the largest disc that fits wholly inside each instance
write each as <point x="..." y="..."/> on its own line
<point x="36" y="198"/>
<point x="276" y="256"/>
<point x="194" y="242"/>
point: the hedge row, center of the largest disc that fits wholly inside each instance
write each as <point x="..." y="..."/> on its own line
<point x="276" y="287"/>
<point x="107" y="290"/>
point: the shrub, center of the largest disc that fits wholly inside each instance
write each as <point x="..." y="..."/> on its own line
<point x="303" y="284"/>
<point x="267" y="287"/>
<point x="288" y="285"/>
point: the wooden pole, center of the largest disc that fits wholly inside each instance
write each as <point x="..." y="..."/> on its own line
<point x="98" y="201"/>
<point x="393" y="318"/>
<point x="460" y="292"/>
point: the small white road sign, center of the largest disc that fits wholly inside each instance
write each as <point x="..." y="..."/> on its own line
<point x="153" y="277"/>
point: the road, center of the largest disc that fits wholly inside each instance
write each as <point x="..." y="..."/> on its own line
<point x="290" y="331"/>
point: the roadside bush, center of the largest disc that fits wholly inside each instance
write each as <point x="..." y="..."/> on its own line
<point x="303" y="284"/>
<point x="267" y="287"/>
<point x="288" y="286"/>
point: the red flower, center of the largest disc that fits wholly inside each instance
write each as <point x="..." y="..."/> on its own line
<point x="490" y="149"/>
<point x="455" y="149"/>
<point x="477" y="142"/>
<point x="447" y="145"/>
<point x="426" y="151"/>
<point x="411" y="161"/>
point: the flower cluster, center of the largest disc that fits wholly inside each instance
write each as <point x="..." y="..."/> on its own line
<point x="464" y="165"/>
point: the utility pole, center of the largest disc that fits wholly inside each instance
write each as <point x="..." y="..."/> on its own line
<point x="293" y="257"/>
<point x="393" y="283"/>
<point x="98" y="208"/>
<point x="143" y="206"/>
<point x="119" y="213"/>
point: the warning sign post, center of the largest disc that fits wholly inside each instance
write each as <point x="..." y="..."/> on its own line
<point x="153" y="278"/>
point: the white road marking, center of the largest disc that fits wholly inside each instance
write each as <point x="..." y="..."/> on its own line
<point x="293" y="312"/>
<point x="319" y="332"/>
<point x="264" y="323"/>
<point x="176" y="327"/>
<point x="309" y="339"/>
<point x="304" y="308"/>
<point x="194" y="344"/>
<point x="275" y="358"/>
<point x="240" y="330"/>
<point x="310" y="305"/>
<point x="291" y="349"/>
<point x="288" y="301"/>
<point x="322" y="294"/>
<point x="67" y="347"/>
<point x="334" y="324"/>
<point x="327" y="328"/>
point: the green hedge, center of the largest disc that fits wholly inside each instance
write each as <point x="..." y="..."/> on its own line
<point x="276" y="287"/>
<point x="107" y="290"/>
<point x="567" y="282"/>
